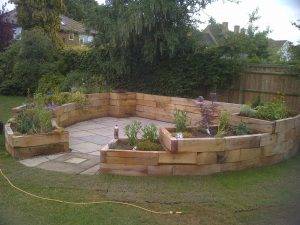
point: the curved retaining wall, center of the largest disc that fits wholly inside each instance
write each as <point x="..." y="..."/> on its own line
<point x="278" y="140"/>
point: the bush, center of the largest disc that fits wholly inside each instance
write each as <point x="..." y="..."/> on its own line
<point x="60" y="98"/>
<point x="50" y="84"/>
<point x="223" y="124"/>
<point x="274" y="110"/>
<point x="148" y="145"/>
<point x="84" y="82"/>
<point x="180" y="120"/>
<point x="131" y="131"/>
<point x="33" y="121"/>
<point x="242" y="129"/>
<point x="150" y="133"/>
<point x="247" y="111"/>
<point x="256" y="102"/>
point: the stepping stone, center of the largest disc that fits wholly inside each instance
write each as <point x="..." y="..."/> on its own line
<point x="75" y="160"/>
<point x="34" y="161"/>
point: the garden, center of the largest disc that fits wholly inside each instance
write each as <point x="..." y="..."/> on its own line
<point x="135" y="128"/>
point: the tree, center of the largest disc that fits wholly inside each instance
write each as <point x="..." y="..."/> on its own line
<point x="80" y="10"/>
<point x="6" y="30"/>
<point x="42" y="14"/>
<point x="139" y="32"/>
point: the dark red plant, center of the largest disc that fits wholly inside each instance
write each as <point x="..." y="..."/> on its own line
<point x="6" y="30"/>
<point x="209" y="112"/>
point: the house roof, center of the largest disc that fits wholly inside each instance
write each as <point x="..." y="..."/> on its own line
<point x="276" y="44"/>
<point x="66" y="23"/>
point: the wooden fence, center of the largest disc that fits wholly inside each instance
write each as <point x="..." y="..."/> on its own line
<point x="268" y="82"/>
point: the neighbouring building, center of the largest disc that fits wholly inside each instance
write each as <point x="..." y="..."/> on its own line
<point x="72" y="32"/>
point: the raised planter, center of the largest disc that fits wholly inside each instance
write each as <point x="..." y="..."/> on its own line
<point x="28" y="146"/>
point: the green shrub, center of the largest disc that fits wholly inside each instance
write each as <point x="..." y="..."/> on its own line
<point x="50" y="84"/>
<point x="223" y="124"/>
<point x="242" y="129"/>
<point x="150" y="133"/>
<point x="148" y="145"/>
<point x="60" y="98"/>
<point x="274" y="110"/>
<point x="33" y="121"/>
<point x="37" y="56"/>
<point x="256" y="102"/>
<point x="85" y="82"/>
<point x="180" y="120"/>
<point x="247" y="111"/>
<point x="131" y="131"/>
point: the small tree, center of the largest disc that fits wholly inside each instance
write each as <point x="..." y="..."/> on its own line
<point x="6" y="30"/>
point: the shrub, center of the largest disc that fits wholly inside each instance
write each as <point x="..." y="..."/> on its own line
<point x="85" y="82"/>
<point x="33" y="121"/>
<point x="256" y="102"/>
<point x="150" y="133"/>
<point x="246" y="110"/>
<point x="274" y="110"/>
<point x="148" y="145"/>
<point x="223" y="124"/>
<point x="37" y="56"/>
<point x="50" y="84"/>
<point x="60" y="98"/>
<point x="241" y="129"/>
<point x="131" y="131"/>
<point x="180" y="120"/>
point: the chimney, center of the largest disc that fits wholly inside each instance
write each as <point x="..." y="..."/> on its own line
<point x="225" y="27"/>
<point x="236" y="29"/>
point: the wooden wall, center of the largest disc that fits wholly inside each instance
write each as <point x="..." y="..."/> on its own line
<point x="268" y="82"/>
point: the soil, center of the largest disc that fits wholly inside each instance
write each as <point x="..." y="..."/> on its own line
<point x="124" y="145"/>
<point x="201" y="133"/>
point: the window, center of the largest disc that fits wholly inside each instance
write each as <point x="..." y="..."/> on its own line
<point x="71" y="37"/>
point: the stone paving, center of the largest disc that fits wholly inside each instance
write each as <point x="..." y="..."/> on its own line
<point x="86" y="140"/>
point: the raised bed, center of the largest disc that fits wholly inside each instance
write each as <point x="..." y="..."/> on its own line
<point x="28" y="146"/>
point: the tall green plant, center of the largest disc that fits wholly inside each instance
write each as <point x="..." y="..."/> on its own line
<point x="132" y="130"/>
<point x="180" y="120"/>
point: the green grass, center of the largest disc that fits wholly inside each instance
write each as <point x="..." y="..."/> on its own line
<point x="269" y="195"/>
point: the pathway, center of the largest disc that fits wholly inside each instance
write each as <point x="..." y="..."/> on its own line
<point x="86" y="140"/>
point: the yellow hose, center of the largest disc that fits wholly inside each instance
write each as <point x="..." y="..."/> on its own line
<point x="85" y="203"/>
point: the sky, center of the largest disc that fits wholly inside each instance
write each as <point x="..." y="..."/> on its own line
<point x="275" y="14"/>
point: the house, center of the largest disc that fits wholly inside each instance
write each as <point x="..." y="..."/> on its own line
<point x="72" y="32"/>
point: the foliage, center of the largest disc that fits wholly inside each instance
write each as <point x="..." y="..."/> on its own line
<point x="148" y="145"/>
<point x="208" y="112"/>
<point x="242" y="129"/>
<point x="26" y="61"/>
<point x="150" y="133"/>
<point x="60" y="98"/>
<point x="9" y="84"/>
<point x="132" y="130"/>
<point x="250" y="43"/>
<point x="84" y="82"/>
<point x="50" y="84"/>
<point x="247" y="111"/>
<point x="80" y="10"/>
<point x="187" y="134"/>
<point x="6" y="30"/>
<point x="223" y="124"/>
<point x="273" y="110"/>
<point x="40" y="14"/>
<point x="256" y="102"/>
<point x="180" y="120"/>
<point x="144" y="31"/>
<point x="33" y="121"/>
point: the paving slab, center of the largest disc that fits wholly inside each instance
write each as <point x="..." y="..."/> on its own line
<point x="34" y="161"/>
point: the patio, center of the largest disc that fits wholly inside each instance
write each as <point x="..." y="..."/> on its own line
<point x="86" y="140"/>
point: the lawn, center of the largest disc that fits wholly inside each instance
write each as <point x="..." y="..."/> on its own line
<point x="269" y="195"/>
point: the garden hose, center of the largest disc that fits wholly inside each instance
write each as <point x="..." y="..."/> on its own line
<point x="86" y="203"/>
